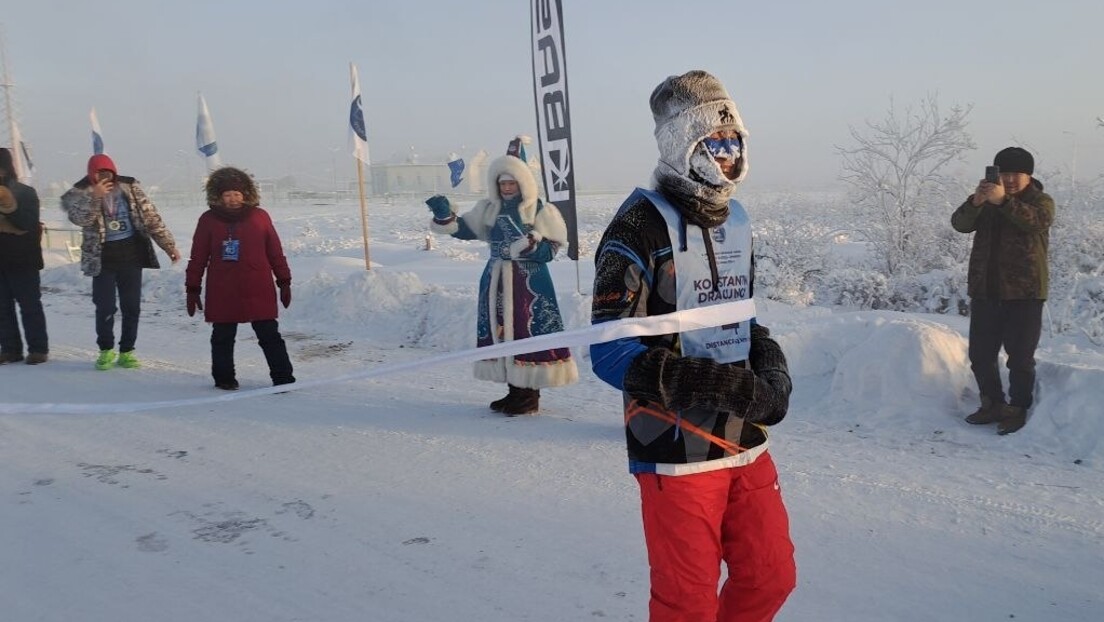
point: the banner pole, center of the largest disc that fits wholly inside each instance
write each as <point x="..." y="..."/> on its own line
<point x="363" y="213"/>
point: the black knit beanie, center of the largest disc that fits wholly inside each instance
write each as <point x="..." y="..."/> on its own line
<point x="1015" y="160"/>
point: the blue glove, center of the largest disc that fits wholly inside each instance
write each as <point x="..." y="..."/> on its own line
<point x="439" y="204"/>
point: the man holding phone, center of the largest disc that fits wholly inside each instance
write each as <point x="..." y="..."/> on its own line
<point x="1010" y="217"/>
<point x="119" y="224"/>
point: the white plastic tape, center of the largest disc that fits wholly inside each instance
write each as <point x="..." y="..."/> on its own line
<point x="677" y="322"/>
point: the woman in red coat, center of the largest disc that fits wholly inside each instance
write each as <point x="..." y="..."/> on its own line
<point x="238" y="247"/>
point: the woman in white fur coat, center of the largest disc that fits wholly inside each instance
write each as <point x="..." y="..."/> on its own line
<point x="516" y="295"/>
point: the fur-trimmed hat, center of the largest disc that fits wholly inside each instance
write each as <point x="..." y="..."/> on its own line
<point x="1015" y="160"/>
<point x="229" y="178"/>
<point x="100" y="162"/>
<point x="688" y="108"/>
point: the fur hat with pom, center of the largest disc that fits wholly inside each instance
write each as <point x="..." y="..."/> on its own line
<point x="229" y="178"/>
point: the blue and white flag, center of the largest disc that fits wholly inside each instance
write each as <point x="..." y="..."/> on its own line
<point x="456" y="170"/>
<point x="97" y="134"/>
<point x="357" y="132"/>
<point x="205" y="136"/>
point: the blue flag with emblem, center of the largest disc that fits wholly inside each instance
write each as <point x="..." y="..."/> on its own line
<point x="456" y="170"/>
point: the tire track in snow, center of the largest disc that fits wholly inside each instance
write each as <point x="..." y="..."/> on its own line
<point x="1030" y="514"/>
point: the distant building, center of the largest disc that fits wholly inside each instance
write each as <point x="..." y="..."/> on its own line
<point x="411" y="177"/>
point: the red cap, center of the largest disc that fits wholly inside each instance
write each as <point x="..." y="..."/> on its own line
<point x="100" y="162"/>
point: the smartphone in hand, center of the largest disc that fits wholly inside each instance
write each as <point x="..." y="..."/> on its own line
<point x="992" y="174"/>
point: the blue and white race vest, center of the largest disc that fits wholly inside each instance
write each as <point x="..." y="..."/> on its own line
<point x="694" y="286"/>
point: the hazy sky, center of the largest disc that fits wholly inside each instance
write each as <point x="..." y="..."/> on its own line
<point x="445" y="75"/>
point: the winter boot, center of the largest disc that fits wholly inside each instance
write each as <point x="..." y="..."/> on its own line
<point x="501" y="403"/>
<point x="106" y="360"/>
<point x="10" y="357"/>
<point x="989" y="412"/>
<point x="227" y="385"/>
<point x="1014" y="418"/>
<point x="37" y="358"/>
<point x="526" y="403"/>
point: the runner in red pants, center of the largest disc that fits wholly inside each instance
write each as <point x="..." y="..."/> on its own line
<point x="693" y="522"/>
<point x="698" y="403"/>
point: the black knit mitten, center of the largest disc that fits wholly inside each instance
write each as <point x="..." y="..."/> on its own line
<point x="678" y="383"/>
<point x="772" y="376"/>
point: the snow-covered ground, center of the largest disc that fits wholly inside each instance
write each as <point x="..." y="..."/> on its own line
<point x="403" y="498"/>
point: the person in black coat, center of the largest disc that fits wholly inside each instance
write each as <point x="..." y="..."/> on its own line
<point x="20" y="263"/>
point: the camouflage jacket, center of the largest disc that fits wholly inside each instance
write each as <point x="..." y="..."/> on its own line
<point x="87" y="213"/>
<point x="1008" y="260"/>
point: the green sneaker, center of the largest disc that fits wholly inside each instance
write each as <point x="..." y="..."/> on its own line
<point x="106" y="360"/>
<point x="127" y="360"/>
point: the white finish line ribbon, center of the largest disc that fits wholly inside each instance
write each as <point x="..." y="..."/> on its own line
<point x="677" y="322"/>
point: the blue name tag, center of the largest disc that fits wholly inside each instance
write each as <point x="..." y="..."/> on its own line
<point x="230" y="250"/>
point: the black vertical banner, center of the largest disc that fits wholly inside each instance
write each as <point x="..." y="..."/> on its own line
<point x="553" y="116"/>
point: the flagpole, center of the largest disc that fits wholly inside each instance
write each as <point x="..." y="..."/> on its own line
<point x="363" y="212"/>
<point x="6" y="84"/>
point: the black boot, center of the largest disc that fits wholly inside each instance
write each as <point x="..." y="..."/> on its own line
<point x="501" y="403"/>
<point x="527" y="403"/>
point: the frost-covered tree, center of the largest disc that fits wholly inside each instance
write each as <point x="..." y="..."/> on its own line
<point x="896" y="170"/>
<point x="1076" y="299"/>
<point x="791" y="246"/>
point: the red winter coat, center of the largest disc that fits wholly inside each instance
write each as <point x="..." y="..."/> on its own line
<point x="243" y="290"/>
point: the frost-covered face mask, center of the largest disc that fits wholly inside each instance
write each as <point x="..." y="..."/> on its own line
<point x="704" y="167"/>
<point x="724" y="148"/>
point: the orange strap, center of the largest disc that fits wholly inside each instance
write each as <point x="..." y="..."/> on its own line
<point x="636" y="408"/>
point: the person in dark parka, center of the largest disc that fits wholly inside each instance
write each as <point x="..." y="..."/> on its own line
<point x="20" y="263"/>
<point x="1007" y="282"/>
<point x="237" y="246"/>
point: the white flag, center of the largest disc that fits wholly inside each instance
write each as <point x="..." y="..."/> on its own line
<point x="357" y="133"/>
<point x="97" y="134"/>
<point x="205" y="136"/>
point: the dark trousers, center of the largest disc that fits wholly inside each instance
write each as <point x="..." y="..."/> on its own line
<point x="1016" y="325"/>
<point x="128" y="283"/>
<point x="23" y="287"/>
<point x="272" y="344"/>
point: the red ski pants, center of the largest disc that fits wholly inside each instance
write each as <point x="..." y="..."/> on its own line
<point x="694" y="522"/>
